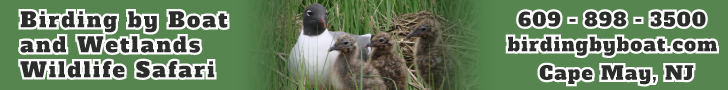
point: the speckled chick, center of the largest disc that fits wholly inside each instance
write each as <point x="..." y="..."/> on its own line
<point x="349" y="72"/>
<point x="428" y="56"/>
<point x="389" y="64"/>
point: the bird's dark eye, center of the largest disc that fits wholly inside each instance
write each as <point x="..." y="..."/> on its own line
<point x="423" y="27"/>
<point x="346" y="43"/>
<point x="381" y="40"/>
<point x="308" y="13"/>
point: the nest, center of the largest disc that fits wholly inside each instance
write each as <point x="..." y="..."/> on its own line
<point x="404" y="24"/>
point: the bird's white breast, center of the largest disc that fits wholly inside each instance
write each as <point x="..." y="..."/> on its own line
<point x="312" y="52"/>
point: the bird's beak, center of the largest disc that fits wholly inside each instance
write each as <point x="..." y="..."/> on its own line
<point x="333" y="48"/>
<point x="414" y="33"/>
<point x="370" y="44"/>
<point x="322" y="21"/>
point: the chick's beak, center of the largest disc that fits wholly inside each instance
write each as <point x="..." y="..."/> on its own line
<point x="370" y="45"/>
<point x="333" y="48"/>
<point x="413" y="34"/>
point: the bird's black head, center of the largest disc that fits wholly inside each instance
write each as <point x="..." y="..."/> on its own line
<point x="314" y="19"/>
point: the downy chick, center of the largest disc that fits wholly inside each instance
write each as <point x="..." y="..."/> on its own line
<point x="389" y="64"/>
<point x="349" y="72"/>
<point x="428" y="56"/>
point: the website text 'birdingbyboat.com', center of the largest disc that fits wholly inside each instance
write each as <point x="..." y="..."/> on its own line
<point x="608" y="47"/>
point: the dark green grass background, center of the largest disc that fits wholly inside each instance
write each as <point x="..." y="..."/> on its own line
<point x="501" y="71"/>
<point x="238" y="67"/>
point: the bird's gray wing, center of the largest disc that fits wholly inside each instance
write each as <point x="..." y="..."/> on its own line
<point x="363" y="40"/>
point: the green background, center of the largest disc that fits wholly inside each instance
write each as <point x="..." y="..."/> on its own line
<point x="238" y="67"/>
<point x="501" y="71"/>
<point x="231" y="48"/>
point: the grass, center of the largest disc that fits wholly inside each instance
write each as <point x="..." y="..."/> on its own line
<point x="281" y="26"/>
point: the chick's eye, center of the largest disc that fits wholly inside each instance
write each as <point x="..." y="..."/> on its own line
<point x="346" y="43"/>
<point x="381" y="40"/>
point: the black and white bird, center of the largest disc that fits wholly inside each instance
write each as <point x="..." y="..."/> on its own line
<point x="310" y="59"/>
